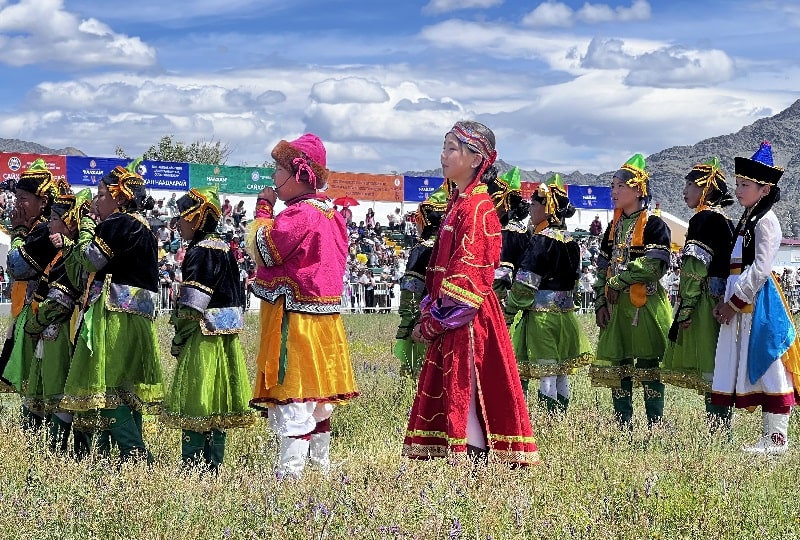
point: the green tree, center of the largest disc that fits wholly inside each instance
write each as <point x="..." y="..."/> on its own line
<point x="168" y="149"/>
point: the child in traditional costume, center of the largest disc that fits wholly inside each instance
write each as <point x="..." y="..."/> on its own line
<point x="548" y="340"/>
<point x="469" y="400"/>
<point x="757" y="360"/>
<point x="412" y="285"/>
<point x="515" y="235"/>
<point x="51" y="325"/>
<point x="116" y="370"/>
<point x="303" y="360"/>
<point x="29" y="258"/>
<point x="631" y="307"/>
<point x="211" y="388"/>
<point x="689" y="358"/>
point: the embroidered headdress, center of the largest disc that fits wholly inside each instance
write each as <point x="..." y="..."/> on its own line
<point x="71" y="208"/>
<point x="430" y="211"/>
<point x="124" y="180"/>
<point x="305" y="158"/>
<point x="505" y="190"/>
<point x="709" y="177"/>
<point x="479" y="139"/>
<point x="553" y="196"/>
<point x="38" y="179"/>
<point x="203" y="203"/>
<point x="760" y="168"/>
<point x="633" y="173"/>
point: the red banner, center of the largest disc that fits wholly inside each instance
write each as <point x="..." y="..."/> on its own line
<point x="12" y="164"/>
<point x="528" y="188"/>
<point x="366" y="187"/>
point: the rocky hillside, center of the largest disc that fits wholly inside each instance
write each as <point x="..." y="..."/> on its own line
<point x="16" y="145"/>
<point x="669" y="167"/>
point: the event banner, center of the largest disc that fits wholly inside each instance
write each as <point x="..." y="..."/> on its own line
<point x="12" y="164"/>
<point x="231" y="180"/>
<point x="419" y="188"/>
<point x="366" y="187"/>
<point x="165" y="175"/>
<point x="594" y="197"/>
<point x="87" y="171"/>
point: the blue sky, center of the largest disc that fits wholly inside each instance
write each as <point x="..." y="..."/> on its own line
<point x="564" y="85"/>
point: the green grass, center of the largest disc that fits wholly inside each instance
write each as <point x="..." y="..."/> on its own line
<point x="594" y="482"/>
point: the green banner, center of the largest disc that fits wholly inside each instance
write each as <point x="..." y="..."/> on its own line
<point x="240" y="180"/>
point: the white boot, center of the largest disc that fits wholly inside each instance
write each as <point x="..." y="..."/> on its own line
<point x="774" y="440"/>
<point x="320" y="451"/>
<point x="293" y="454"/>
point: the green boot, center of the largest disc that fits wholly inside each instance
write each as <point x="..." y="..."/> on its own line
<point x="192" y="447"/>
<point x="622" y="398"/>
<point x="126" y="434"/>
<point x="653" y="401"/>
<point x="718" y="417"/>
<point x="215" y="449"/>
<point x="59" y="435"/>
<point x="548" y="403"/>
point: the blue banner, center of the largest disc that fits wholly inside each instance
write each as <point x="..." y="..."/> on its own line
<point x="418" y="188"/>
<point x="165" y="175"/>
<point x="594" y="197"/>
<point x="87" y="171"/>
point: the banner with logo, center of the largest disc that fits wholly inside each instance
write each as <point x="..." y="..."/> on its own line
<point x="87" y="171"/>
<point x="419" y="188"/>
<point x="12" y="164"/>
<point x="164" y="175"/>
<point x="594" y="197"/>
<point x="231" y="180"/>
<point x="366" y="187"/>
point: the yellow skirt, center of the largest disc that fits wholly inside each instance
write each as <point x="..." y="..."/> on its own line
<point x="301" y="357"/>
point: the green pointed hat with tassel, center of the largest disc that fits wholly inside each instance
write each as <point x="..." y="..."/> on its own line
<point x="553" y="195"/>
<point x="633" y="173"/>
<point x="710" y="177"/>
<point x="506" y="191"/>
<point x="202" y="203"/>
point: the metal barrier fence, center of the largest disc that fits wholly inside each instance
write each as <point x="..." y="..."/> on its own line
<point x="381" y="298"/>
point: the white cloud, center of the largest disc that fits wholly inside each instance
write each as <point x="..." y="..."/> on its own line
<point x="42" y="32"/>
<point x="549" y="14"/>
<point x="553" y="13"/>
<point x="664" y="67"/>
<point x="349" y="90"/>
<point x="600" y="13"/>
<point x="444" y="6"/>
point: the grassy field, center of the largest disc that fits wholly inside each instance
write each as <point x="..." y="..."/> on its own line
<point x="594" y="482"/>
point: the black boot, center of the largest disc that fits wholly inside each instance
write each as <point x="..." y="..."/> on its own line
<point x="31" y="423"/>
<point x="550" y="404"/>
<point x="653" y="401"/>
<point x="215" y="449"/>
<point x="563" y="403"/>
<point x="59" y="435"/>
<point x="622" y="398"/>
<point x="193" y="447"/>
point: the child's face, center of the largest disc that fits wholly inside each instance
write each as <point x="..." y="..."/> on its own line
<point x="57" y="225"/>
<point x="106" y="203"/>
<point x="624" y="196"/>
<point x="458" y="163"/>
<point x="748" y="193"/>
<point x="186" y="228"/>
<point x="537" y="212"/>
<point x="691" y="194"/>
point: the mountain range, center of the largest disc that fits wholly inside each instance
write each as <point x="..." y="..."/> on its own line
<point x="667" y="168"/>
